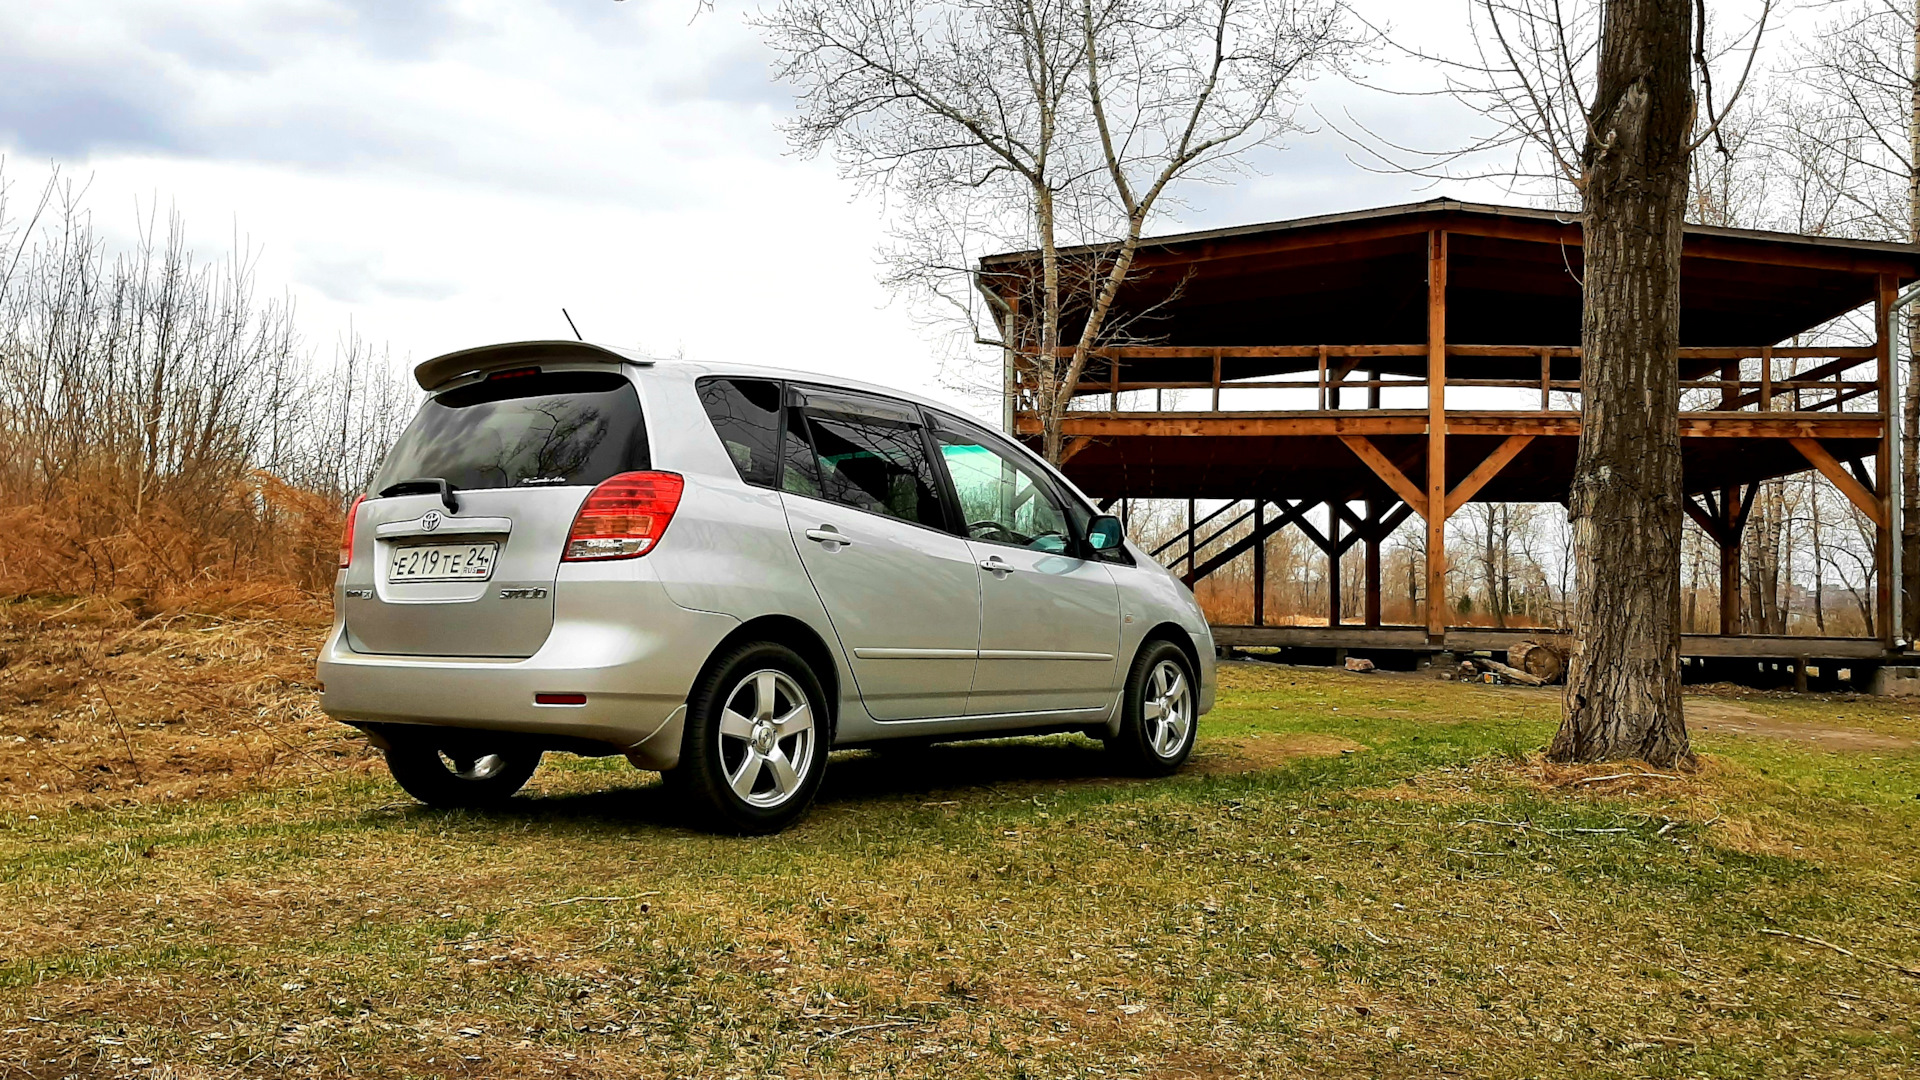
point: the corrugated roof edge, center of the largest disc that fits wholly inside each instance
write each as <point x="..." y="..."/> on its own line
<point x="446" y="367"/>
<point x="1445" y="205"/>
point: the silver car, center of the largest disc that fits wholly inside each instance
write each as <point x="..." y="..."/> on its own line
<point x="725" y="572"/>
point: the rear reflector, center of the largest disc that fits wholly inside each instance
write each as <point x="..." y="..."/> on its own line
<point x="559" y="699"/>
<point x="624" y="517"/>
<point x="346" y="533"/>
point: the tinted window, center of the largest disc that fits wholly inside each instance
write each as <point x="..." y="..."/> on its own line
<point x="536" y="429"/>
<point x="872" y="456"/>
<point x="746" y="416"/>
<point x="1003" y="499"/>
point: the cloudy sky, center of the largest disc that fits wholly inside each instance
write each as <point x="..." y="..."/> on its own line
<point x="444" y="173"/>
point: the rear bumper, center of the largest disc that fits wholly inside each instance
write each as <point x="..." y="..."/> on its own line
<point x="624" y="644"/>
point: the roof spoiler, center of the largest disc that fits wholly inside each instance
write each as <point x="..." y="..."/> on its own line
<point x="449" y="366"/>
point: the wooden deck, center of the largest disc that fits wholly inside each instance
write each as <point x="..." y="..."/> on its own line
<point x="1489" y="639"/>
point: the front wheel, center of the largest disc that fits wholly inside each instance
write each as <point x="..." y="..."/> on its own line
<point x="756" y="743"/>
<point x="1158" y="722"/>
<point x="460" y="772"/>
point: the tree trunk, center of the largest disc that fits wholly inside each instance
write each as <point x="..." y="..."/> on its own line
<point x="1623" y="680"/>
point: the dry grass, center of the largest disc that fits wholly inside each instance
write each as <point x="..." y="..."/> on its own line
<point x="1361" y="875"/>
<point x="104" y="702"/>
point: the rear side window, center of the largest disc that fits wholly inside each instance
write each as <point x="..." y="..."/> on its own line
<point x="872" y="456"/>
<point x="531" y="429"/>
<point x="746" y="416"/>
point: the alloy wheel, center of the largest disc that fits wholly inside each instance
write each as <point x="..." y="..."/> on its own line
<point x="767" y="738"/>
<point x="1167" y="711"/>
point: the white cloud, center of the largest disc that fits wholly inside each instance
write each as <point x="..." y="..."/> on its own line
<point x="447" y="173"/>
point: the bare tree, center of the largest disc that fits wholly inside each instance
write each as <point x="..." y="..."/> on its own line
<point x="1594" y="103"/>
<point x="160" y="422"/>
<point x="1058" y="126"/>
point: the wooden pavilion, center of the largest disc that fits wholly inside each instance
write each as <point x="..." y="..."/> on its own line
<point x="1410" y="359"/>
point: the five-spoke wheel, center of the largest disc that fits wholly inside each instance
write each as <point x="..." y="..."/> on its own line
<point x="766" y="737"/>
<point x="1157" y="718"/>
<point x="756" y="741"/>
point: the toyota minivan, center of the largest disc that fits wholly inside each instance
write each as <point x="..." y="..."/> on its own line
<point x="726" y="572"/>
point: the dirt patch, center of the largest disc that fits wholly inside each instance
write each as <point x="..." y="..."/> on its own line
<point x="1724" y="717"/>
<point x="1230" y="757"/>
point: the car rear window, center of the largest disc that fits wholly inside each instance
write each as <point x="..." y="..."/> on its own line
<point x="524" y="429"/>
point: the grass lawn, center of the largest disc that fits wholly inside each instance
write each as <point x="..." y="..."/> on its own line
<point x="1360" y="875"/>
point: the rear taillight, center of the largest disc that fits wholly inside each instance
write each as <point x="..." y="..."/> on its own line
<point x="346" y="533"/>
<point x="624" y="516"/>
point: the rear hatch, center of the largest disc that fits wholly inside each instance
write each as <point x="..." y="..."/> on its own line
<point x="518" y="452"/>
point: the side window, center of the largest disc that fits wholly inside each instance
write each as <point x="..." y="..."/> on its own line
<point x="802" y="473"/>
<point x="1002" y="499"/>
<point x="872" y="456"/>
<point x="746" y="416"/>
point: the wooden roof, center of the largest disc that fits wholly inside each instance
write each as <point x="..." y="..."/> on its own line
<point x="1513" y="279"/>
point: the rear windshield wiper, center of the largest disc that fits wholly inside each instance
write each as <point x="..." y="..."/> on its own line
<point x="425" y="485"/>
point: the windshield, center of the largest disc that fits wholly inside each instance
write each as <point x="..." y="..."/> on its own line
<point x="530" y="429"/>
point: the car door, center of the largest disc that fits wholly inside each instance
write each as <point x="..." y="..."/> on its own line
<point x="1049" y="619"/>
<point x="867" y="512"/>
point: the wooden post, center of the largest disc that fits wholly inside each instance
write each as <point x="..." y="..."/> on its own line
<point x="1373" y="539"/>
<point x="1216" y="380"/>
<point x="1333" y="565"/>
<point x="1546" y="379"/>
<point x="1766" y="379"/>
<point x="1373" y="389"/>
<point x="1114" y="360"/>
<point x="1883" y="461"/>
<point x="1729" y="542"/>
<point x="1190" y="536"/>
<point x="1436" y="436"/>
<point x="1320" y="381"/>
<point x="1259" y="565"/>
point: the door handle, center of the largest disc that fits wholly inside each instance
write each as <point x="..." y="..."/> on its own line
<point x="827" y="534"/>
<point x="996" y="565"/>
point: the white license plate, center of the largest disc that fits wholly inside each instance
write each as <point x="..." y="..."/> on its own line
<point x="442" y="562"/>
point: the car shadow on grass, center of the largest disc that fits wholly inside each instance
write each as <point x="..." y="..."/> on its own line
<point x="853" y="778"/>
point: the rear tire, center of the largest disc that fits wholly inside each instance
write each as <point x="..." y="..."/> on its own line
<point x="756" y="743"/>
<point x="1158" y="721"/>
<point x="460" y="772"/>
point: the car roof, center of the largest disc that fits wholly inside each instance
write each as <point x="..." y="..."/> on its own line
<point x="437" y="372"/>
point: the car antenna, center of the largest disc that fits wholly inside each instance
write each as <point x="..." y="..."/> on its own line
<point x="569" y="318"/>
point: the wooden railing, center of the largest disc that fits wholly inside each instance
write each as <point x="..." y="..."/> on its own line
<point x="1820" y="387"/>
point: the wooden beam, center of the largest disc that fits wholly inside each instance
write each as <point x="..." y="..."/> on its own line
<point x="1387" y="471"/>
<point x="1436" y="496"/>
<point x="1862" y="499"/>
<point x="1074" y="445"/>
<point x="1883" y="538"/>
<point x="1370" y="609"/>
<point x="1705" y="425"/>
<point x="1485" y="471"/>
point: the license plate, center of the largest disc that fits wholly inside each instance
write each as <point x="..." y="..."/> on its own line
<point x="442" y="562"/>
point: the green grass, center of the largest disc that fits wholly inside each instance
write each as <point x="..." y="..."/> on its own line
<point x="1365" y="875"/>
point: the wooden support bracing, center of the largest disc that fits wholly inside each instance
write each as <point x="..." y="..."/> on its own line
<point x="1724" y="521"/>
<point x="1485" y="471"/>
<point x="1858" y="493"/>
<point x="1387" y="471"/>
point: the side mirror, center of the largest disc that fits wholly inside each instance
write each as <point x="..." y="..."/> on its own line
<point x="1104" y="533"/>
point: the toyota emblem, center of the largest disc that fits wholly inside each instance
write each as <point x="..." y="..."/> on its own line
<point x="431" y="521"/>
